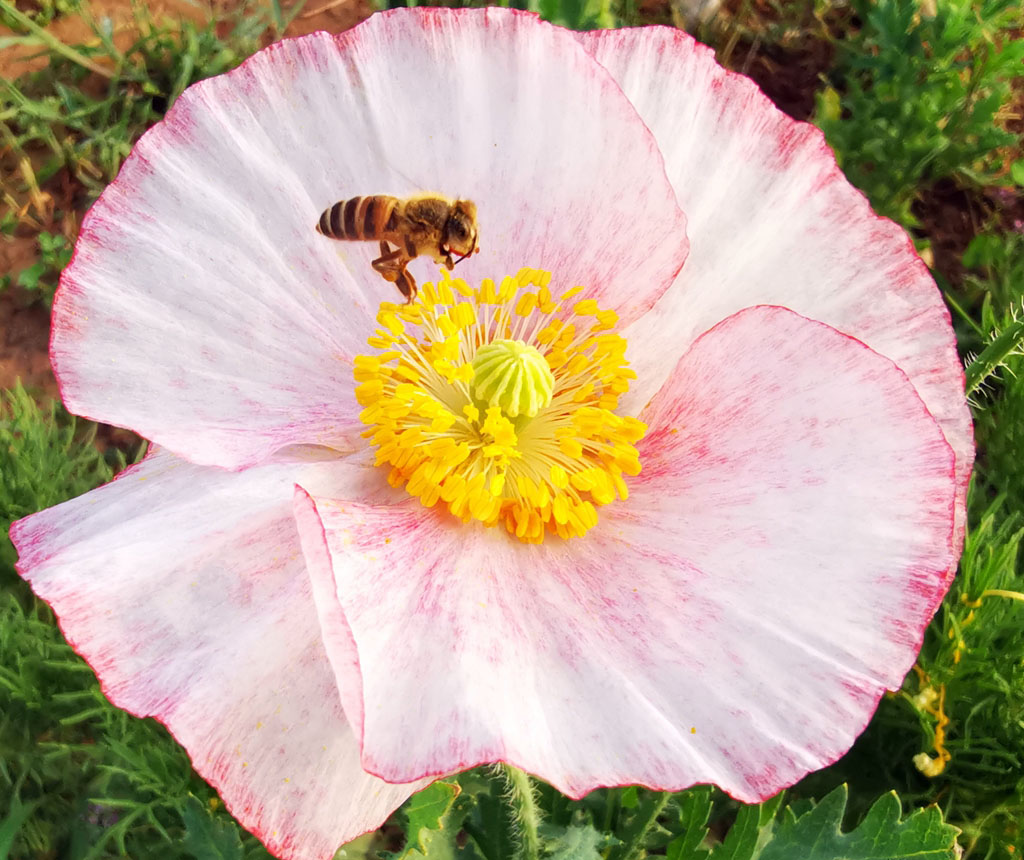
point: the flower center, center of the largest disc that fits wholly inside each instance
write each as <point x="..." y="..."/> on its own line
<point x="499" y="402"/>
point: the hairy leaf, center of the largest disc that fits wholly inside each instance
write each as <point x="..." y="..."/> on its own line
<point x="209" y="836"/>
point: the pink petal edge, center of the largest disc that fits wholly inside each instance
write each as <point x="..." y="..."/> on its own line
<point x="198" y="271"/>
<point x="570" y="680"/>
<point x="773" y="220"/>
<point x="156" y="580"/>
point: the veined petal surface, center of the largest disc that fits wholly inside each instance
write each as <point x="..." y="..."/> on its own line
<point x="185" y="589"/>
<point x="204" y="311"/>
<point x="734" y="621"/>
<point x="772" y="220"/>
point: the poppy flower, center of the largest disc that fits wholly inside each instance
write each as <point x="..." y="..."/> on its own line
<point x="662" y="488"/>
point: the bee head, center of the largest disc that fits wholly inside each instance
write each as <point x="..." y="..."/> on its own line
<point x="460" y="230"/>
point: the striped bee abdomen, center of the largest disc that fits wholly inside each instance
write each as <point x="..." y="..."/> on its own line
<point x="359" y="218"/>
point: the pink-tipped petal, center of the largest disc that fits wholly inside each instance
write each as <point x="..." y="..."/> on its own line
<point x="203" y="310"/>
<point x="772" y="220"/>
<point x="735" y="621"/>
<point x="186" y="590"/>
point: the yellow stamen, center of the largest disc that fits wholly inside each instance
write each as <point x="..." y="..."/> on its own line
<point x="499" y="402"/>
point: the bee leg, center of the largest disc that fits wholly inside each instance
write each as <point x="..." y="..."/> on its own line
<point x="406" y="285"/>
<point x="391" y="266"/>
<point x="389" y="263"/>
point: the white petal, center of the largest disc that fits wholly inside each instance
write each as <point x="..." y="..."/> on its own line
<point x="772" y="220"/>
<point x="735" y="621"/>
<point x="203" y="310"/>
<point x="185" y="589"/>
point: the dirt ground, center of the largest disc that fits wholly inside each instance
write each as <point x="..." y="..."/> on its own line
<point x="24" y="328"/>
<point x="790" y="73"/>
<point x="24" y="324"/>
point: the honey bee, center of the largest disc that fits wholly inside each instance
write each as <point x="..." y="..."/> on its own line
<point x="422" y="224"/>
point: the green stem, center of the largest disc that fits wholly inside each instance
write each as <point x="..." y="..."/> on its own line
<point x="1002" y="592"/>
<point x="966" y="317"/>
<point x="525" y="812"/>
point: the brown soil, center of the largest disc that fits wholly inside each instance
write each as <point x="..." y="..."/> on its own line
<point x="789" y="69"/>
<point x="329" y="15"/>
<point x="24" y="322"/>
<point x="950" y="217"/>
<point x="24" y="327"/>
<point x="790" y="77"/>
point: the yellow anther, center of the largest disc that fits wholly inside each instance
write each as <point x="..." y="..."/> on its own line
<point x="559" y="477"/>
<point x="527" y="303"/>
<point x="464" y="315"/>
<point x="499" y="429"/>
<point x="487" y="294"/>
<point x="571" y="448"/>
<point x="391" y="322"/>
<point x="445" y="324"/>
<point x="463" y="289"/>
<point x="508" y="289"/>
<point x="406" y="372"/>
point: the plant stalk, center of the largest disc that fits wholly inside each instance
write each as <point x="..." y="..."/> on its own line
<point x="525" y="812"/>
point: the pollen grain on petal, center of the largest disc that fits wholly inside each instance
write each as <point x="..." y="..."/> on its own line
<point x="498" y="402"/>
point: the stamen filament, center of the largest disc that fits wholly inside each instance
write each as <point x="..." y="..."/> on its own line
<point x="499" y="403"/>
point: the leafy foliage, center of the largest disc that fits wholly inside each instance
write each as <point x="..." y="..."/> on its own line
<point x="74" y="122"/>
<point x="916" y="96"/>
<point x="574" y="14"/>
<point x="40" y="279"/>
<point x="680" y="828"/>
<point x="79" y="777"/>
<point x="44" y="460"/>
<point x="917" y="91"/>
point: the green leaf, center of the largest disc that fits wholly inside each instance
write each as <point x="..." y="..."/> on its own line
<point x="10" y="826"/>
<point x="811" y="831"/>
<point x="427" y="810"/>
<point x="1007" y="343"/>
<point x="694" y="810"/>
<point x="753" y="828"/>
<point x="29" y="278"/>
<point x="209" y="836"/>
<point x="817" y="835"/>
<point x="1017" y="171"/>
<point x="429" y="831"/>
<point x="630" y="797"/>
<point x="576" y="842"/>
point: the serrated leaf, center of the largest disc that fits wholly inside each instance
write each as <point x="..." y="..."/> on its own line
<point x="576" y="842"/>
<point x="208" y="836"/>
<point x="753" y="828"/>
<point x="817" y="835"/>
<point x="426" y="810"/>
<point x="694" y="812"/>
<point x="428" y="831"/>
